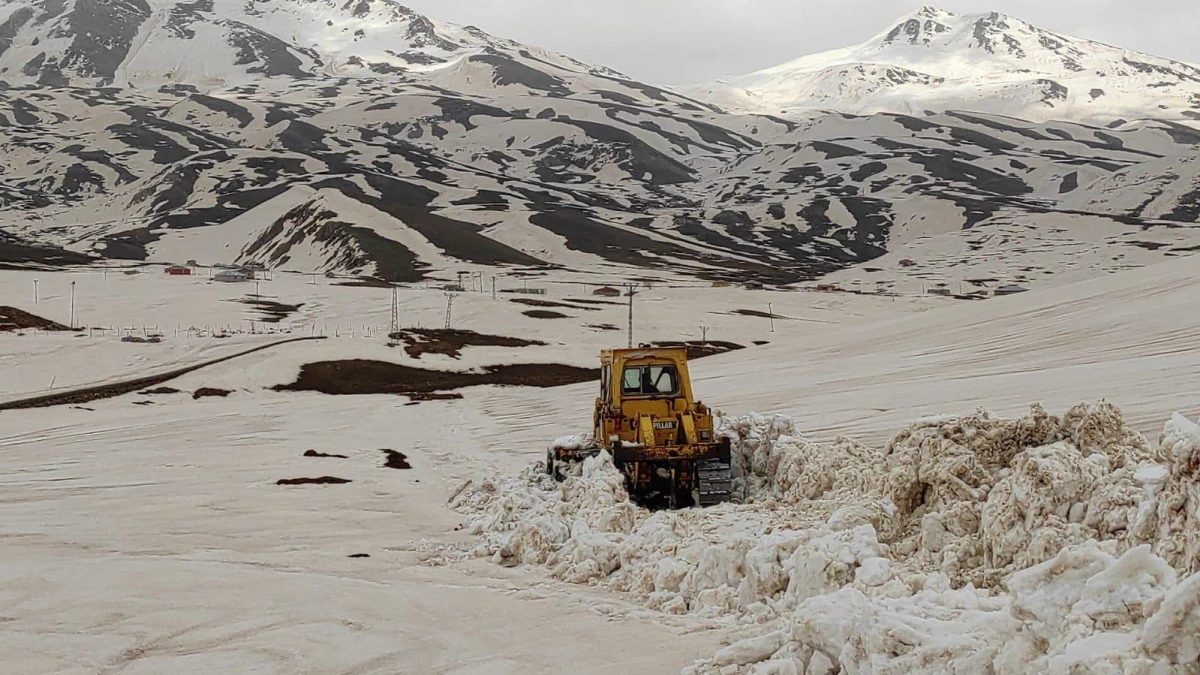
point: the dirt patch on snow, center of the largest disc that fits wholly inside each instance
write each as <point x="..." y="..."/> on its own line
<point x="158" y="391"/>
<point x="203" y="392"/>
<point x="271" y="311"/>
<point x="13" y="319"/>
<point x="593" y="301"/>
<point x="759" y="314"/>
<point x="602" y="326"/>
<point x="358" y="377"/>
<point x="433" y="396"/>
<point x="545" y="314"/>
<point x="450" y="342"/>
<point x="698" y="350"/>
<point x="88" y="394"/>
<point x="323" y="480"/>
<point x="395" y="460"/>
<point x="549" y="303"/>
<point x="314" y="453"/>
<point x="366" y="282"/>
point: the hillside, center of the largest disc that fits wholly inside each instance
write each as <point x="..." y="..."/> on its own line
<point x="367" y="139"/>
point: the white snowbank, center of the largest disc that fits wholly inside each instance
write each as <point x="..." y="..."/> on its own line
<point x="973" y="544"/>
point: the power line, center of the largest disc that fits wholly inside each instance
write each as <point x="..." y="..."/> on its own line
<point x="631" y="292"/>
<point x="449" y="307"/>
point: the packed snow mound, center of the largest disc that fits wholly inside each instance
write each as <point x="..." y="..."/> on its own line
<point x="974" y="543"/>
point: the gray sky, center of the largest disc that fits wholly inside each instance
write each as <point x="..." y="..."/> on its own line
<point x="693" y="41"/>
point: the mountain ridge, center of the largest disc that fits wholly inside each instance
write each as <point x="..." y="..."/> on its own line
<point x="990" y="62"/>
<point x="444" y="147"/>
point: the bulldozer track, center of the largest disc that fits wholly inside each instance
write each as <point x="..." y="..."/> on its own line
<point x="715" y="481"/>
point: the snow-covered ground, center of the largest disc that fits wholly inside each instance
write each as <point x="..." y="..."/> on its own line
<point x="152" y="537"/>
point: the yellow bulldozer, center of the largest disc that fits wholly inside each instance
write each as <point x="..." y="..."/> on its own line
<point x="660" y="437"/>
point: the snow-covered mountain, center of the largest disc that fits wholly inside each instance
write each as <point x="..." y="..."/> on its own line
<point x="224" y="43"/>
<point x="362" y="137"/>
<point x="936" y="60"/>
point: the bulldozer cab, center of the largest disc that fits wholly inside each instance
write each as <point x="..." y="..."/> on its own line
<point x="650" y="381"/>
<point x="646" y="400"/>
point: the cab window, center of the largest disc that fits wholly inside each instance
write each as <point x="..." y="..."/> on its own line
<point x="650" y="381"/>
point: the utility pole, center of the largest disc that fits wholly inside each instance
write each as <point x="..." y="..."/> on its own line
<point x="449" y="308"/>
<point x="395" y="314"/>
<point x="493" y="286"/>
<point x="35" y="293"/>
<point x="72" y="326"/>
<point x="771" y="313"/>
<point x="630" y="293"/>
<point x="704" y="334"/>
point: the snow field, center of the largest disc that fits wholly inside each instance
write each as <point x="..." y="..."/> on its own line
<point x="912" y="565"/>
<point x="972" y="544"/>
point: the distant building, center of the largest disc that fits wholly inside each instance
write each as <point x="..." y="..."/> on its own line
<point x="608" y="292"/>
<point x="754" y="285"/>
<point x="230" y="276"/>
<point x="179" y="270"/>
<point x="193" y="263"/>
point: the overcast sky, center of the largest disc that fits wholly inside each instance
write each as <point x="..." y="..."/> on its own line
<point x="694" y="41"/>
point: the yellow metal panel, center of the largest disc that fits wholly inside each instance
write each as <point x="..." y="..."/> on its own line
<point x="647" y="428"/>
<point x="689" y="428"/>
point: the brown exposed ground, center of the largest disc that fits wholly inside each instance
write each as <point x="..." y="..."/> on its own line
<point x="323" y="480"/>
<point x="549" y="303"/>
<point x="366" y="282"/>
<point x="13" y="319"/>
<point x="593" y="301"/>
<point x="434" y="396"/>
<point x="759" y="314"/>
<point x="87" y="394"/>
<point x="544" y="314"/>
<point x="314" y="453"/>
<point x="450" y="342"/>
<point x="698" y="350"/>
<point x="271" y="311"/>
<point x="396" y="460"/>
<point x="356" y="377"/>
<point x="601" y="326"/>
<point x="209" y="391"/>
<point x="159" y="390"/>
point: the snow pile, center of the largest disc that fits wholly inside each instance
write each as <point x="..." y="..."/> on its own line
<point x="1081" y="611"/>
<point x="976" y="497"/>
<point x="971" y="544"/>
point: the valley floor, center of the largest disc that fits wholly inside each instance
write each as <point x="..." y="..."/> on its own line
<point x="147" y="532"/>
